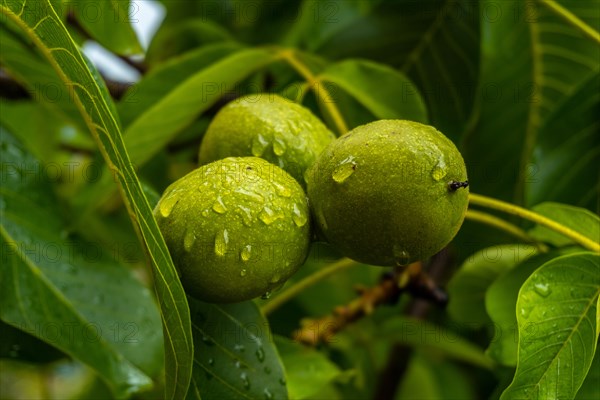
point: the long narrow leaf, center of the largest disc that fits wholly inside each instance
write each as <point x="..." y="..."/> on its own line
<point x="44" y="28"/>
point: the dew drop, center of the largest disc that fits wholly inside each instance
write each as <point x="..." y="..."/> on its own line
<point x="221" y="241"/>
<point x="188" y="240"/>
<point x="276" y="278"/>
<point x="219" y="206"/>
<point x="402" y="257"/>
<point x="543" y="289"/>
<point x="526" y="311"/>
<point x="254" y="196"/>
<point x="298" y="216"/>
<point x="239" y="348"/>
<point x="268" y="394"/>
<point x="266" y="296"/>
<point x="207" y="341"/>
<point x="282" y="189"/>
<point x="211" y="362"/>
<point x="168" y="204"/>
<point x="246" y="215"/>
<point x="245" y="380"/>
<point x="246" y="253"/>
<point x="260" y="354"/>
<point x="259" y="144"/>
<point x="439" y="171"/>
<point x="243" y="272"/>
<point x="205" y="213"/>
<point x="278" y="147"/>
<point x="269" y="216"/>
<point x="344" y="170"/>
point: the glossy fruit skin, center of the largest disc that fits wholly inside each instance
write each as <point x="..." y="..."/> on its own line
<point x="381" y="194"/>
<point x="267" y="126"/>
<point x="236" y="229"/>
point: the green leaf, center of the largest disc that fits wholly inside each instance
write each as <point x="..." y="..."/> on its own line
<point x="42" y="25"/>
<point x="434" y="43"/>
<point x="308" y="371"/>
<point x="385" y="92"/>
<point x="578" y="219"/>
<point x="430" y="379"/>
<point x="589" y="389"/>
<point x="160" y="81"/>
<point x="109" y="22"/>
<point x="534" y="64"/>
<point x="56" y="289"/>
<point x="28" y="68"/>
<point x="501" y="304"/>
<point x="235" y="356"/>
<point x="557" y="312"/>
<point x="562" y="170"/>
<point x="468" y="286"/>
<point x="187" y="35"/>
<point x="431" y="337"/>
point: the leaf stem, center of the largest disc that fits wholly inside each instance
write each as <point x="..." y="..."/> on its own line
<point x="305" y="283"/>
<point x="320" y="90"/>
<point x="572" y="19"/>
<point x="499" y="205"/>
<point x="505" y="226"/>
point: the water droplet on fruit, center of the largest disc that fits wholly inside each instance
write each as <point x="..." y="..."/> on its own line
<point x="276" y="278"/>
<point x="260" y="354"/>
<point x="168" y="204"/>
<point x="298" y="216"/>
<point x="259" y="144"/>
<point x="221" y="241"/>
<point x="282" y="189"/>
<point x="243" y="273"/>
<point x="250" y="194"/>
<point x="219" y="206"/>
<point x="245" y="380"/>
<point x="188" y="240"/>
<point x="269" y="216"/>
<point x="543" y="289"/>
<point x="278" y="147"/>
<point x="402" y="257"/>
<point x="246" y="252"/>
<point x="205" y="213"/>
<point x="268" y="394"/>
<point x="344" y="170"/>
<point x="246" y="215"/>
<point x="439" y="171"/>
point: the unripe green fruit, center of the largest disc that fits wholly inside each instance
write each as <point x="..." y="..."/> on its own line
<point x="389" y="192"/>
<point x="267" y="126"/>
<point x="236" y="229"/>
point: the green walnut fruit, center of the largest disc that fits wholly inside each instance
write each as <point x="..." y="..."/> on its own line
<point x="236" y="228"/>
<point x="267" y="126"/>
<point x="389" y="192"/>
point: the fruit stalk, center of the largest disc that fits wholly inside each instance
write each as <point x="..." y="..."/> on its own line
<point x="477" y="199"/>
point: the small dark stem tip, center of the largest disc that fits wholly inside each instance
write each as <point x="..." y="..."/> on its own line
<point x="454" y="185"/>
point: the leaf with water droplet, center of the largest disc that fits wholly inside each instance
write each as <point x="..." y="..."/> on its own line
<point x="245" y="360"/>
